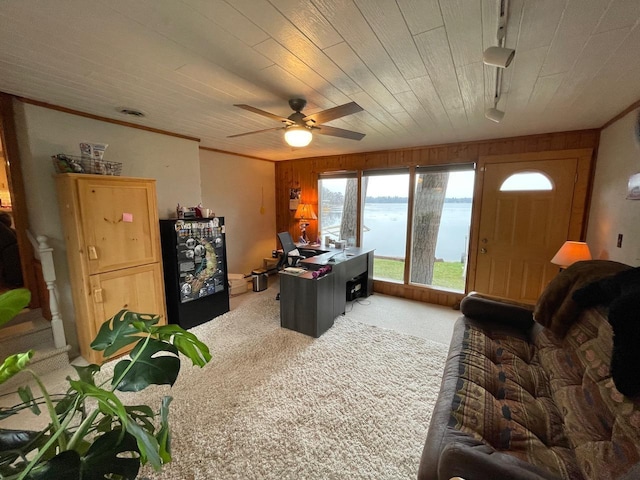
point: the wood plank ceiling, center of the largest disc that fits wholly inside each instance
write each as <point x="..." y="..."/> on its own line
<point x="415" y="66"/>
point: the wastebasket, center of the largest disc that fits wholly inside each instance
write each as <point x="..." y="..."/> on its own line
<point x="260" y="280"/>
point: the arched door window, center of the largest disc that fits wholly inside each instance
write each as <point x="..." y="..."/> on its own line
<point x="526" y="182"/>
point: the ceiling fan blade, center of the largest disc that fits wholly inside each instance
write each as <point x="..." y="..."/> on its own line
<point x="333" y="113"/>
<point x="256" y="131"/>
<point x="263" y="113"/>
<point x="338" y="132"/>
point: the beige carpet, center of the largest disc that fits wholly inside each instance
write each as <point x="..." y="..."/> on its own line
<point x="275" y="404"/>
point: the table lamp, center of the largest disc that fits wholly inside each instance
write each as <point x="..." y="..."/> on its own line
<point x="304" y="213"/>
<point x="570" y="253"/>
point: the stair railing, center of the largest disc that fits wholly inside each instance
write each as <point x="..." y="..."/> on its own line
<point x="45" y="254"/>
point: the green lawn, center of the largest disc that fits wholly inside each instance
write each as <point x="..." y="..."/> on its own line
<point x="446" y="274"/>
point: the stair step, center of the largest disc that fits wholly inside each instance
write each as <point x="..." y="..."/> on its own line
<point x="32" y="331"/>
<point x="45" y="360"/>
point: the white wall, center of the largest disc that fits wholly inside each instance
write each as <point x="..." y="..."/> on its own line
<point x="42" y="132"/>
<point x="611" y="213"/>
<point x="242" y="190"/>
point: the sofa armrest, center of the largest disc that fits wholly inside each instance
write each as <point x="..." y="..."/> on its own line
<point x="470" y="458"/>
<point x="493" y="309"/>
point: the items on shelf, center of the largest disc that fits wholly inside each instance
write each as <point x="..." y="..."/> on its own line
<point x="93" y="150"/>
<point x="194" y="212"/>
<point x="74" y="164"/>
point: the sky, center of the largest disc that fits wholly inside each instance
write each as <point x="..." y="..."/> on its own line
<point x="460" y="185"/>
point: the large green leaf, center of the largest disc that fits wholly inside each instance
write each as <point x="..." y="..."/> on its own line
<point x="143" y="415"/>
<point x="15" y="445"/>
<point x="164" y="434"/>
<point x="148" y="367"/>
<point x="147" y="445"/>
<point x="108" y="402"/>
<point x="12" y="302"/>
<point x="16" y="439"/>
<point x="14" y="364"/>
<point x="64" y="466"/>
<point x="186" y="342"/>
<point x="87" y="372"/>
<point x="121" y="330"/>
<point x="105" y="457"/>
<point x="27" y="397"/>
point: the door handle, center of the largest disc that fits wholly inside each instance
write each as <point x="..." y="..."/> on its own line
<point x="483" y="250"/>
<point x="93" y="253"/>
<point x="97" y="295"/>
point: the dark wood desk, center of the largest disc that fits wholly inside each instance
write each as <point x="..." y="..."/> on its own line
<point x="310" y="305"/>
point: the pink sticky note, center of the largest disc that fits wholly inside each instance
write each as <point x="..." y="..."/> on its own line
<point x="127" y="217"/>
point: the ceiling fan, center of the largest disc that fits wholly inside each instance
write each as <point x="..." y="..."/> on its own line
<point x="298" y="126"/>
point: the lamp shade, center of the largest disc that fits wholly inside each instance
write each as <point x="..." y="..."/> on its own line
<point x="298" y="136"/>
<point x="571" y="252"/>
<point x="305" y="212"/>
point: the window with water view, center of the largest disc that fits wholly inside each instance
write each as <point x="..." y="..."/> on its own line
<point x="384" y="221"/>
<point x="441" y="225"/>
<point x="440" y="229"/>
<point x="338" y="206"/>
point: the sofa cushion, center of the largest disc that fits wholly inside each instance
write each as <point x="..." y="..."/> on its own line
<point x="621" y="292"/>
<point x="503" y="400"/>
<point x="556" y="309"/>
<point x="599" y="422"/>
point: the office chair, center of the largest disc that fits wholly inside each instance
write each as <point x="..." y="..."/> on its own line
<point x="290" y="254"/>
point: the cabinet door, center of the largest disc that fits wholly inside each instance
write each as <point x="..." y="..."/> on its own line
<point x="119" y="221"/>
<point x="138" y="289"/>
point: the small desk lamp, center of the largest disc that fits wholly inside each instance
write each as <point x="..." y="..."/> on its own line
<point x="570" y="253"/>
<point x="304" y="213"/>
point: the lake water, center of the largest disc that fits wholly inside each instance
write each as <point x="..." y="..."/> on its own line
<point x="387" y="224"/>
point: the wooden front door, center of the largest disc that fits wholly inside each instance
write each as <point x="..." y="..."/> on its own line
<point x="520" y="230"/>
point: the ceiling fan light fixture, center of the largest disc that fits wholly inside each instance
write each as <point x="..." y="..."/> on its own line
<point x="298" y="136"/>
<point x="494" y="114"/>
<point x="500" y="57"/>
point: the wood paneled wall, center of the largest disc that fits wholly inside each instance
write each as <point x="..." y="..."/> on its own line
<point x="303" y="174"/>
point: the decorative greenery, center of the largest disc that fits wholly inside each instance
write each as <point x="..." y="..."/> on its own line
<point x="113" y="440"/>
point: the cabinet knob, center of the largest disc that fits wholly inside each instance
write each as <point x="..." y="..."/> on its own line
<point x="97" y="295"/>
<point x="93" y="253"/>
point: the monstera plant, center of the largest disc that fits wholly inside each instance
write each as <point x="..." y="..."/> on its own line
<point x="91" y="434"/>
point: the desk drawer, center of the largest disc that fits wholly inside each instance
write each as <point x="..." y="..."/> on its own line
<point x="355" y="266"/>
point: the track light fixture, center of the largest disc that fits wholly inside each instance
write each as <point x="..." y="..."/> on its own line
<point x="498" y="56"/>
<point x="494" y="114"/>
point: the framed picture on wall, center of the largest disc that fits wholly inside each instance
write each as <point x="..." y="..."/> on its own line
<point x="633" y="190"/>
<point x="294" y="198"/>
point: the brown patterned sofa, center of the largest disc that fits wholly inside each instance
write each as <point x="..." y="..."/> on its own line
<point x="525" y="399"/>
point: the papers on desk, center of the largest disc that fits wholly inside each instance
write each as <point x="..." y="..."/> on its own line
<point x="295" y="270"/>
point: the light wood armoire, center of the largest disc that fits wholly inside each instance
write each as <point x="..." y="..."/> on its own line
<point x="112" y="235"/>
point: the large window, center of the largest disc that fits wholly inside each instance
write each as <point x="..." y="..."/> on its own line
<point x="338" y="206"/>
<point x="384" y="221"/>
<point x="440" y="227"/>
<point x="441" y="223"/>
